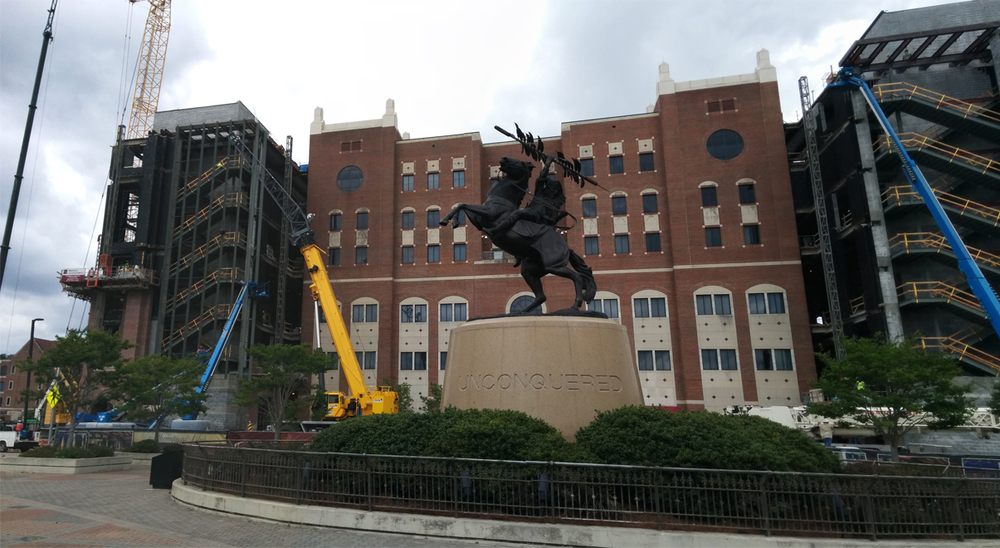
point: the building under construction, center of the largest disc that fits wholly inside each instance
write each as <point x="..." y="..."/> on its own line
<point x="887" y="267"/>
<point x="186" y="224"/>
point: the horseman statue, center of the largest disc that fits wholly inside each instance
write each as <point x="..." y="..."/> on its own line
<point x="530" y="233"/>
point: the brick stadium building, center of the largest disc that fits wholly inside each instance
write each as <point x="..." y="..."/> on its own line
<point x="694" y="249"/>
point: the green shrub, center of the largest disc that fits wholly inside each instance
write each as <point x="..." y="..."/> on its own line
<point x="145" y="446"/>
<point x="89" y="452"/>
<point x="700" y="439"/>
<point x="472" y="433"/>
<point x="42" y="452"/>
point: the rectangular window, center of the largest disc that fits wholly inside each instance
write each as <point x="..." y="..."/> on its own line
<point x="762" y="358"/>
<point x="433" y="218"/>
<point x="710" y="360"/>
<point x="360" y="255"/>
<point x="589" y="208"/>
<point x="782" y="359"/>
<point x="420" y="361"/>
<point x="645" y="360"/>
<point x="446" y="312"/>
<point x="618" y="205"/>
<point x="458" y="179"/>
<point x="658" y="307"/>
<point x="747" y="194"/>
<point x="358" y="313"/>
<point x="727" y="359"/>
<point x="607" y="306"/>
<point x="722" y="305"/>
<point x="587" y="167"/>
<point x="406" y="220"/>
<point x="406" y="361"/>
<point x="371" y="312"/>
<point x="461" y="312"/>
<point x="646" y="161"/>
<point x="616" y="164"/>
<point x="413" y="313"/>
<point x="621" y="244"/>
<point x="459" y="253"/>
<point x="640" y="308"/>
<point x="334" y="360"/>
<point x="407" y="183"/>
<point x="751" y="234"/>
<point x="709" y="196"/>
<point x="713" y="236"/>
<point x="433" y="181"/>
<point x="434" y="253"/>
<point x="649" y="204"/>
<point x="407" y="254"/>
<point x="362" y="223"/>
<point x="369" y="360"/>
<point x="335" y="221"/>
<point x="776" y="303"/>
<point x="703" y="304"/>
<point x="334" y="256"/>
<point x="653" y="244"/>
<point x="661" y="360"/>
<point x="442" y="360"/>
<point x="591" y="245"/>
<point x="757" y="303"/>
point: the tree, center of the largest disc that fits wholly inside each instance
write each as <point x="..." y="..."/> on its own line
<point x="891" y="388"/>
<point x="432" y="401"/>
<point x="79" y="363"/>
<point x="282" y="374"/>
<point x="155" y="387"/>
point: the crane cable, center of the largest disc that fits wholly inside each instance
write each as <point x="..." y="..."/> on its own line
<point x="124" y="83"/>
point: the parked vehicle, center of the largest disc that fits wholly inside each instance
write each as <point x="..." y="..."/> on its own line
<point x="21" y="441"/>
<point x="846" y="453"/>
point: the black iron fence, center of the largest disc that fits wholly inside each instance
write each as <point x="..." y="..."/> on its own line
<point x="664" y="498"/>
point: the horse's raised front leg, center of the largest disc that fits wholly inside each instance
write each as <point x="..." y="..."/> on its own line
<point x="532" y="275"/>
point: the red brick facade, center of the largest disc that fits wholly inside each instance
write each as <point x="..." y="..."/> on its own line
<point x="675" y="133"/>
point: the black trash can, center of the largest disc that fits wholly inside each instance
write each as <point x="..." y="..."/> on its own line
<point x="165" y="468"/>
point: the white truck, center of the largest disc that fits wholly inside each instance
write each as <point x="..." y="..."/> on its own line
<point x="12" y="439"/>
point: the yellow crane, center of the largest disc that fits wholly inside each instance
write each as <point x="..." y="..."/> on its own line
<point x="362" y="400"/>
<point x="149" y="69"/>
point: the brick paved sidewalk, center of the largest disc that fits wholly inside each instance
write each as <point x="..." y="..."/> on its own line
<point x="119" y="509"/>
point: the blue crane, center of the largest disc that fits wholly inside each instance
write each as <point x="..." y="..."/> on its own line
<point x="847" y="77"/>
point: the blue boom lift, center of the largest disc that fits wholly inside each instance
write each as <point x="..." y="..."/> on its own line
<point x="847" y="77"/>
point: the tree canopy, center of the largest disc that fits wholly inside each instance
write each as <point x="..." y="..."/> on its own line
<point x="280" y="381"/>
<point x="154" y="387"/>
<point x="891" y="388"/>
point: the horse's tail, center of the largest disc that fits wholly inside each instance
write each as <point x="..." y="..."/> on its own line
<point x="589" y="285"/>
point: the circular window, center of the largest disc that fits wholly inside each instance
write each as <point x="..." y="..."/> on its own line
<point x="725" y="144"/>
<point x="522" y="302"/>
<point x="350" y="178"/>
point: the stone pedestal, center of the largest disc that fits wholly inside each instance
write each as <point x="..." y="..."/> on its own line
<point x="561" y="369"/>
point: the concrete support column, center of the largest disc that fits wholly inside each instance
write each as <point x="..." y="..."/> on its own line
<point x="880" y="237"/>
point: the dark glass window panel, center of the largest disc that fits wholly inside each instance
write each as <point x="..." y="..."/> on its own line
<point x="433" y="181"/>
<point x="407" y="183"/>
<point x="640" y="308"/>
<point x="649" y="203"/>
<point x="658" y="307"/>
<point x="776" y="303"/>
<point x="723" y="307"/>
<point x="757" y="303"/>
<point x="442" y="360"/>
<point x="521" y="303"/>
<point x="587" y="167"/>
<point x="420" y="361"/>
<point x="350" y="178"/>
<point x="661" y="358"/>
<point x="334" y="255"/>
<point x="709" y="196"/>
<point x="408" y="254"/>
<point x="446" y="313"/>
<point x="710" y="360"/>
<point x="645" y="360"/>
<point x="727" y="360"/>
<point x="653" y="243"/>
<point x="591" y="245"/>
<point x="748" y="195"/>
<point x="433" y="254"/>
<point x="713" y="236"/>
<point x="724" y="144"/>
<point x="458" y="179"/>
<point x="406" y="313"/>
<point x="360" y="255"/>
<point x="336" y="220"/>
<point x="371" y="312"/>
<point x="459" y="253"/>
<point x="358" y="313"/>
<point x="704" y="305"/>
<point x="618" y="205"/>
<point x="621" y="243"/>
<point x="646" y="161"/>
<point x="362" y="222"/>
<point x="616" y="164"/>
<point x="762" y="357"/>
<point x="369" y="360"/>
<point x="589" y="207"/>
<point x="420" y="313"/>
<point x="461" y="312"/>
<point x="406" y="220"/>
<point x="751" y="234"/>
<point x="782" y="359"/>
<point x="433" y="218"/>
<point x="334" y="360"/>
<point x="406" y="361"/>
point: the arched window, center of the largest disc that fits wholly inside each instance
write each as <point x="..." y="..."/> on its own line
<point x="413" y="310"/>
<point x="619" y="203"/>
<point x="713" y="301"/>
<point x="453" y="309"/>
<point x="650" y="203"/>
<point x="406" y="218"/>
<point x="364" y="310"/>
<point x="588" y="203"/>
<point x="433" y="216"/>
<point x="519" y="303"/>
<point x="748" y="191"/>
<point x="336" y="220"/>
<point x="606" y="303"/>
<point x="766" y="299"/>
<point x="709" y="194"/>
<point x="361" y="216"/>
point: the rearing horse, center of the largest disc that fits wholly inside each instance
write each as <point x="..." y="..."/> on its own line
<point x="538" y="247"/>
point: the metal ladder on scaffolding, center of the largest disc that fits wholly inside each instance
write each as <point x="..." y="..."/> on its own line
<point x="819" y="199"/>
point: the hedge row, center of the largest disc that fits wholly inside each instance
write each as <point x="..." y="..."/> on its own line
<point x="50" y="452"/>
<point x="629" y="435"/>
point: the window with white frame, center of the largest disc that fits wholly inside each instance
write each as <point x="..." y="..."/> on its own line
<point x="776" y="359"/>
<point x="413" y="313"/>
<point x="608" y="306"/>
<point x="453" y="312"/>
<point x="713" y="305"/>
<point x="653" y="360"/>
<point x="649" y="307"/>
<point x="413" y="361"/>
<point x="772" y="302"/>
<point x="364" y="313"/>
<point x="715" y="359"/>
<point x="366" y="359"/>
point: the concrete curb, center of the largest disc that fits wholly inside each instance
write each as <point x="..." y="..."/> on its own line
<point x="64" y="466"/>
<point x="510" y="531"/>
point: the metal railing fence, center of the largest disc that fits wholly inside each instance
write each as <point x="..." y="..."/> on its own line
<point x="771" y="503"/>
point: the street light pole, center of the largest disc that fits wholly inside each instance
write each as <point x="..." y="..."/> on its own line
<point x="27" y="385"/>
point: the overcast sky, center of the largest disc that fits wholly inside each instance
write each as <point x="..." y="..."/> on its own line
<point x="451" y="67"/>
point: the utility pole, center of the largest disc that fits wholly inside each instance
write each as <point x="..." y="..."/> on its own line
<point x="31" y="358"/>
<point x="19" y="174"/>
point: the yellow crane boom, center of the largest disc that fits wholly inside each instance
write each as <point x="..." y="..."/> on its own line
<point x="149" y="69"/>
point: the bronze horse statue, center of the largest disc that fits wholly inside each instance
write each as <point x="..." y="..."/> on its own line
<point x="529" y="233"/>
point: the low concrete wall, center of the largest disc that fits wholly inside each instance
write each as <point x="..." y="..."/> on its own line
<point x="64" y="466"/>
<point x="511" y="531"/>
<point x="140" y="460"/>
<point x="178" y="436"/>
